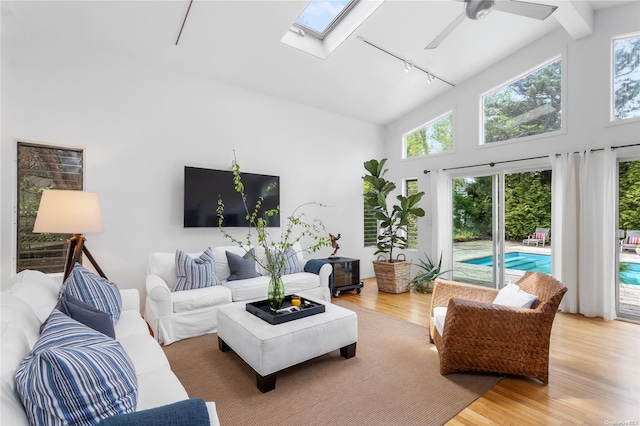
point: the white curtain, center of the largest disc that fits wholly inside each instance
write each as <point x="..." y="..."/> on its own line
<point x="442" y="223"/>
<point x="583" y="236"/>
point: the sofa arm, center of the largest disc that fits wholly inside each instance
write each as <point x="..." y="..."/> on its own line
<point x="130" y="299"/>
<point x="320" y="268"/>
<point x="159" y="295"/>
<point x="325" y="273"/>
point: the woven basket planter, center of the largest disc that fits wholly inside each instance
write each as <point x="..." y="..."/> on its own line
<point x="394" y="276"/>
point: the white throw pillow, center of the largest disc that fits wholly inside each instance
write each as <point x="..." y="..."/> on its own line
<point x="439" y="315"/>
<point x="512" y="295"/>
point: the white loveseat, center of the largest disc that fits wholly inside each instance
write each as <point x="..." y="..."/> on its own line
<point x="29" y="301"/>
<point x="178" y="315"/>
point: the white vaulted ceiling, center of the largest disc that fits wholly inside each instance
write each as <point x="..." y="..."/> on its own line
<point x="238" y="42"/>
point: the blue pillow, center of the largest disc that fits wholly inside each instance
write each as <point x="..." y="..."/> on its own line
<point x="85" y="314"/>
<point x="192" y="412"/>
<point x="75" y="375"/>
<point x="242" y="267"/>
<point x="61" y="330"/>
<point x="291" y="264"/>
<point x="195" y="273"/>
<point x="94" y="290"/>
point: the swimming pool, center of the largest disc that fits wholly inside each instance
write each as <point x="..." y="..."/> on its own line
<point x="542" y="263"/>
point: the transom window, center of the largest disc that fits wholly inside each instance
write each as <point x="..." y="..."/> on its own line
<point x="434" y="137"/>
<point x="531" y="105"/>
<point x="626" y="78"/>
<point x="320" y="16"/>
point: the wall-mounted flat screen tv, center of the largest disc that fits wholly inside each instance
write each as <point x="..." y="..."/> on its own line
<point x="203" y="187"/>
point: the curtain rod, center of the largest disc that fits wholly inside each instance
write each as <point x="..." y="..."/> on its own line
<point x="492" y="164"/>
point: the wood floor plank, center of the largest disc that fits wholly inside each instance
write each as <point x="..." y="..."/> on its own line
<point x="594" y="369"/>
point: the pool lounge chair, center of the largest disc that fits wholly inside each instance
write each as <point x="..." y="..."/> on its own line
<point x="631" y="241"/>
<point x="541" y="235"/>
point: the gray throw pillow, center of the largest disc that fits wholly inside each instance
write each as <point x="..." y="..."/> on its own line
<point x="85" y="314"/>
<point x="241" y="267"/>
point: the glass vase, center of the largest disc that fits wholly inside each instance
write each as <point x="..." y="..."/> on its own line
<point x="275" y="292"/>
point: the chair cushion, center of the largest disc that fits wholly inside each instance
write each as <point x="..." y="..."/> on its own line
<point x="633" y="240"/>
<point x="190" y="300"/>
<point x="94" y="290"/>
<point x="195" y="273"/>
<point x="63" y="380"/>
<point x="242" y="267"/>
<point x="85" y="314"/>
<point x="539" y="235"/>
<point x="512" y="295"/>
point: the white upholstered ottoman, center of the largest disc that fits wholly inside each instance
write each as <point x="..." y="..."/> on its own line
<point x="270" y="348"/>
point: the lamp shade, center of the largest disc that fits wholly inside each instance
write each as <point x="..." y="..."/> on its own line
<point x="68" y="212"/>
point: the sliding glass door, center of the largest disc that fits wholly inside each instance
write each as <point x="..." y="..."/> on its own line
<point x="474" y="249"/>
<point x="629" y="240"/>
<point x="501" y="227"/>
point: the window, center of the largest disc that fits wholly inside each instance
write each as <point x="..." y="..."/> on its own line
<point x="434" y="137"/>
<point x="528" y="106"/>
<point x="411" y="188"/>
<point x="370" y="222"/>
<point x="626" y="78"/>
<point x="43" y="167"/>
<point x="320" y="16"/>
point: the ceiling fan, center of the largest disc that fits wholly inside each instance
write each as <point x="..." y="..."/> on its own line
<point x="478" y="9"/>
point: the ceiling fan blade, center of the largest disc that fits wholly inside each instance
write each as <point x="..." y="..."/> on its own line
<point x="445" y="33"/>
<point x="523" y="8"/>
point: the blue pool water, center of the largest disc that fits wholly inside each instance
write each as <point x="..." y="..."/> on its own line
<point x="519" y="261"/>
<point x="631" y="275"/>
<point x="542" y="263"/>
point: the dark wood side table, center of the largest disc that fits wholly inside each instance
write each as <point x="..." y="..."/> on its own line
<point x="346" y="274"/>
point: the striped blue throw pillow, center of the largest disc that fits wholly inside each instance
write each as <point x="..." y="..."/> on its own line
<point x="59" y="331"/>
<point x="94" y="290"/>
<point x="75" y="375"/>
<point x="195" y="273"/>
<point x="290" y="257"/>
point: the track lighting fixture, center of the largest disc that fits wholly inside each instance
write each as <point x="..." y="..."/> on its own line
<point x="408" y="65"/>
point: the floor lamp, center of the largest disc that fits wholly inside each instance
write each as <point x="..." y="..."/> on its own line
<point x="70" y="212"/>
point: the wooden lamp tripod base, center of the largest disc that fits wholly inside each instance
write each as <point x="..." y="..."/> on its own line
<point x="74" y="255"/>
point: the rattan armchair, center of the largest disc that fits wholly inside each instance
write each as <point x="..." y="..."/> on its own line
<point x="479" y="336"/>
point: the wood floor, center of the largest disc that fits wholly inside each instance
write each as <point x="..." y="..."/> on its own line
<point x="594" y="376"/>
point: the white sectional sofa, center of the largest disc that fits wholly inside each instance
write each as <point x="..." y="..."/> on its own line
<point x="177" y="315"/>
<point x="30" y="300"/>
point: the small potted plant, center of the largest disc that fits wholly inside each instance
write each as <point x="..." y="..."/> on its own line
<point x="392" y="274"/>
<point x="423" y="282"/>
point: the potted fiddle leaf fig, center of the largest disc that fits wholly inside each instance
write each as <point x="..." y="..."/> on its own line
<point x="392" y="274"/>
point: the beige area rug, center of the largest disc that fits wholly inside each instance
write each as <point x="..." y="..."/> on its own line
<point x="394" y="379"/>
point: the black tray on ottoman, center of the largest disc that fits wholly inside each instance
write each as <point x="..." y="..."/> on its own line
<point x="307" y="308"/>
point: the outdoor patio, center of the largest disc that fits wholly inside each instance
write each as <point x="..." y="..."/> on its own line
<point x="482" y="275"/>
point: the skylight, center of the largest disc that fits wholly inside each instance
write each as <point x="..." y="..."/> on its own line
<point x="320" y="16"/>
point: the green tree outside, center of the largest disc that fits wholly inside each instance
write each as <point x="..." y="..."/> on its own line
<point x="433" y="138"/>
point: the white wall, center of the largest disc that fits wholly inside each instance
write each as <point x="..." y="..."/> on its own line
<point x="141" y="124"/>
<point x="587" y="65"/>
